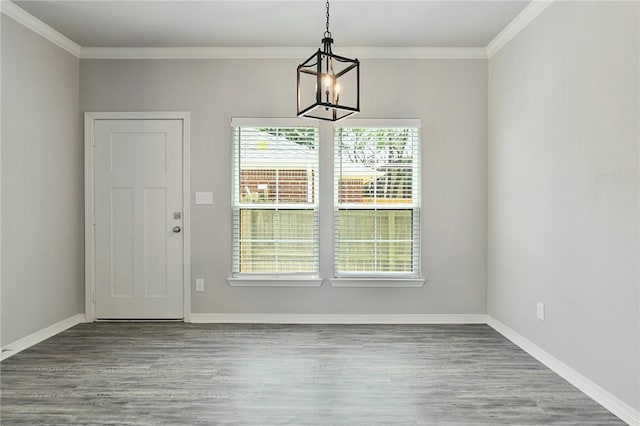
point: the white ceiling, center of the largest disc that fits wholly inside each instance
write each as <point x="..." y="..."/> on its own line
<point x="268" y="23"/>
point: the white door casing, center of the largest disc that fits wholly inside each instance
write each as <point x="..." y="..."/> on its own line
<point x="137" y="251"/>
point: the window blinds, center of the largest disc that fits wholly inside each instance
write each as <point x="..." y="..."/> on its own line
<point x="377" y="201"/>
<point x="275" y="200"/>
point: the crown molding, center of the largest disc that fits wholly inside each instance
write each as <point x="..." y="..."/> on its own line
<point x="193" y="52"/>
<point x="524" y="18"/>
<point x="19" y="15"/>
<point x="414" y="52"/>
<point x="279" y="52"/>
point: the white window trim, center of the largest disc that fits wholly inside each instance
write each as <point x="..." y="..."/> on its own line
<point x="275" y="279"/>
<point x="273" y="122"/>
<point x="383" y="123"/>
<point x="378" y="282"/>
<point x="408" y="280"/>
<point x="311" y="281"/>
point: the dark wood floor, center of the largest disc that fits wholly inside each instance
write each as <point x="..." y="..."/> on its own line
<point x="175" y="373"/>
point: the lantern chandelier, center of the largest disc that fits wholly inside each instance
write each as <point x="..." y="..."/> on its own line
<point x="328" y="84"/>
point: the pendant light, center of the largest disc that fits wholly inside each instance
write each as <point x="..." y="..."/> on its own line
<point x="328" y="84"/>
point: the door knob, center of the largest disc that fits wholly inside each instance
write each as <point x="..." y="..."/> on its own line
<point x="176" y="229"/>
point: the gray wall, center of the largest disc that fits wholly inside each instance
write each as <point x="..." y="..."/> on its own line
<point x="563" y="189"/>
<point x="450" y="96"/>
<point x="42" y="184"/>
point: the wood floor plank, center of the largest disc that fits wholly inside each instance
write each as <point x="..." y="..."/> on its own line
<point x="247" y="374"/>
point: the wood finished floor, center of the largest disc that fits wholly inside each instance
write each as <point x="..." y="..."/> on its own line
<point x="206" y="374"/>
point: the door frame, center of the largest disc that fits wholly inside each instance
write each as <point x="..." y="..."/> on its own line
<point x="89" y="201"/>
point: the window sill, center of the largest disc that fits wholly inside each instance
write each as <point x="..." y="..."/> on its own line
<point x="274" y="281"/>
<point x="378" y="282"/>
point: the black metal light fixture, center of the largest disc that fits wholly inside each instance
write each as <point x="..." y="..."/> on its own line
<point x="328" y="84"/>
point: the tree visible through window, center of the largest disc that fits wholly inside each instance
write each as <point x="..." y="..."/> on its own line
<point x="377" y="203"/>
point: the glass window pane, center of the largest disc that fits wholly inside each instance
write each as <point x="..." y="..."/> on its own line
<point x="296" y="257"/>
<point x="394" y="256"/>
<point x="356" y="256"/>
<point x="356" y="224"/>
<point x="297" y="224"/>
<point x="275" y="168"/>
<point x="277" y="240"/>
<point x="395" y="224"/>
<point x="277" y="165"/>
<point x="257" y="224"/>
<point x="377" y="200"/>
<point x="376" y="165"/>
<point x="375" y="240"/>
<point x="257" y="256"/>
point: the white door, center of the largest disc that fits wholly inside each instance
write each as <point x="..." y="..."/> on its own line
<point x="138" y="219"/>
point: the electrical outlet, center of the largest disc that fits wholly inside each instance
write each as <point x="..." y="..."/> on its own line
<point x="199" y="284"/>
<point x="540" y="313"/>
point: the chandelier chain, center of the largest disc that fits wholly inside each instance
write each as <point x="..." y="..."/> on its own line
<point x="327" y="33"/>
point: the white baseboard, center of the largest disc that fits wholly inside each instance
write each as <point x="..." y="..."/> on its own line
<point x="341" y="318"/>
<point x="40" y="335"/>
<point x="619" y="408"/>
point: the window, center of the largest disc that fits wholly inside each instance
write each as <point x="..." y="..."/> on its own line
<point x="275" y="199"/>
<point x="377" y="201"/>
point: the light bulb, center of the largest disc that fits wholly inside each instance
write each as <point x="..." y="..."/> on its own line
<point x="337" y="87"/>
<point x="327" y="81"/>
